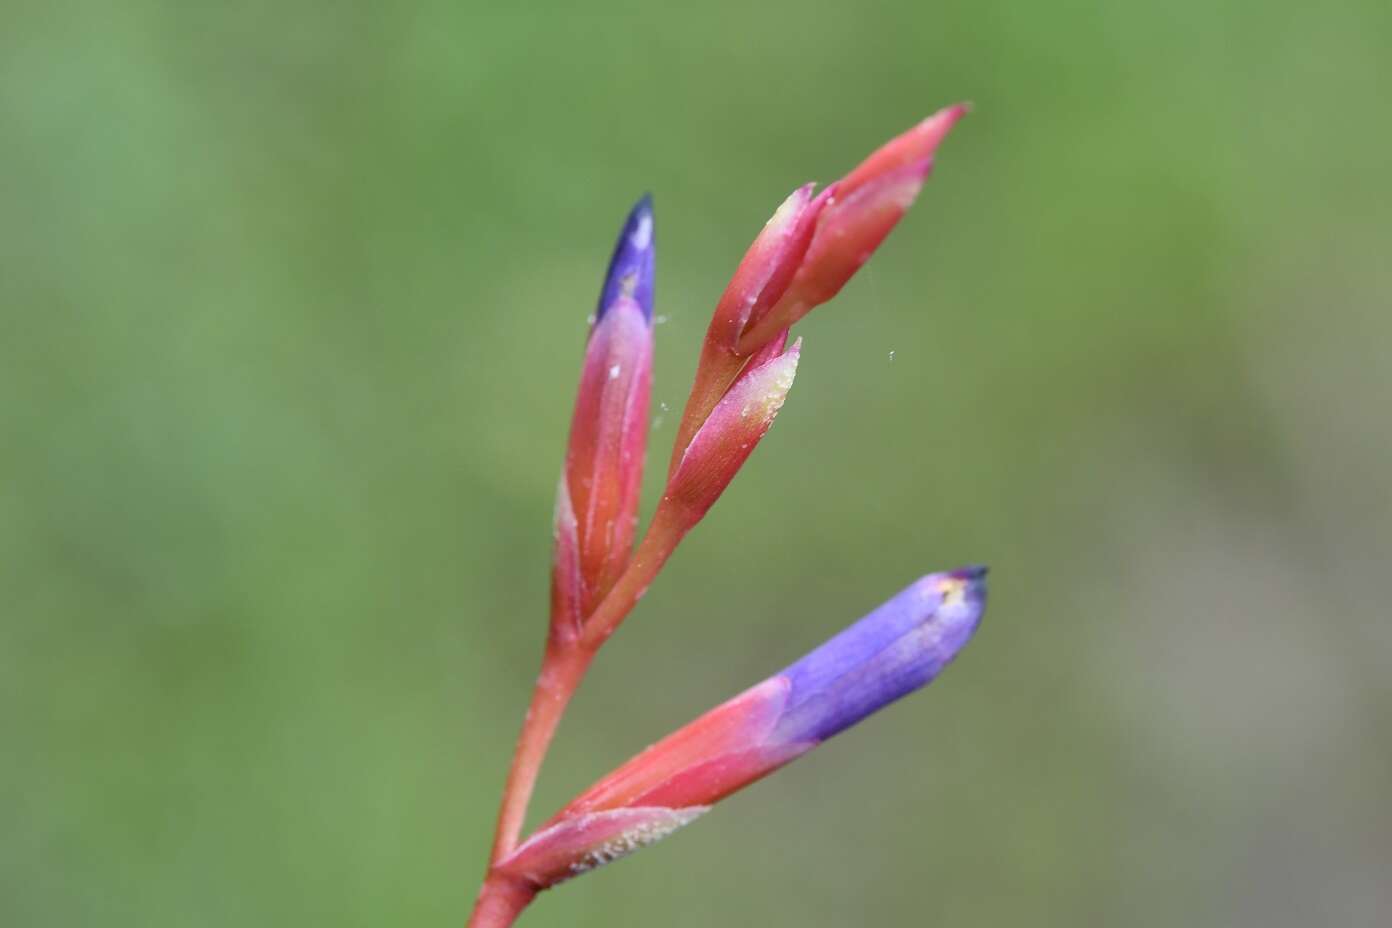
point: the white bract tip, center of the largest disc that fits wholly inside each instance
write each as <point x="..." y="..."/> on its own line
<point x="642" y="236"/>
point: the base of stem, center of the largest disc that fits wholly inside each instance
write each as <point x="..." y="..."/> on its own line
<point x="499" y="902"/>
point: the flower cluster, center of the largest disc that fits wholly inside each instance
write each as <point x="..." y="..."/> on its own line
<point x="808" y="250"/>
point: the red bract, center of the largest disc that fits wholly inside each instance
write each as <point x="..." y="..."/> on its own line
<point x="864" y="207"/>
<point x="732" y="430"/>
<point x="608" y="440"/>
<point x="767" y="267"/>
<point x="597" y="503"/>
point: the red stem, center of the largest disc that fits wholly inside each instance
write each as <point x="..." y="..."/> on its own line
<point x="503" y="898"/>
<point x="661" y="540"/>
<point x="500" y="901"/>
<point x="562" y="669"/>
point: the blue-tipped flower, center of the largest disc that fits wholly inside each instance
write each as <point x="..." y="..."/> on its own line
<point x="901" y="646"/>
<point x="597" y="502"/>
<point x="631" y="268"/>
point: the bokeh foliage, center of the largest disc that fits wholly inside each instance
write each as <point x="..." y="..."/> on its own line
<point x="292" y="297"/>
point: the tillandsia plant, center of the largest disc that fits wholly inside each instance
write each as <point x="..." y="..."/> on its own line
<point x="805" y="253"/>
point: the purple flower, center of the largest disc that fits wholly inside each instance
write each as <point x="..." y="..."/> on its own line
<point x="893" y="651"/>
<point x="630" y="272"/>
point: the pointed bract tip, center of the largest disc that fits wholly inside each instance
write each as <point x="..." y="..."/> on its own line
<point x="800" y="196"/>
<point x="906" y="148"/>
<point x="765" y="272"/>
<point x="956" y="111"/>
<point x="631" y="268"/>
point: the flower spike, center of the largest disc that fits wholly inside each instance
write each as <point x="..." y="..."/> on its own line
<point x="865" y="207"/>
<point x="804" y="255"/>
<point x="896" y="649"/>
<point x="597" y="503"/>
<point x="759" y="281"/>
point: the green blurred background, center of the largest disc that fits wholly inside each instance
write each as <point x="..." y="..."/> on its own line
<point x="293" y="301"/>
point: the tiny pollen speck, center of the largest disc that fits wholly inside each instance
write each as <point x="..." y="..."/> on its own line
<point x="614" y="372"/>
<point x="659" y="320"/>
<point x="953" y="591"/>
<point x="891" y="356"/>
